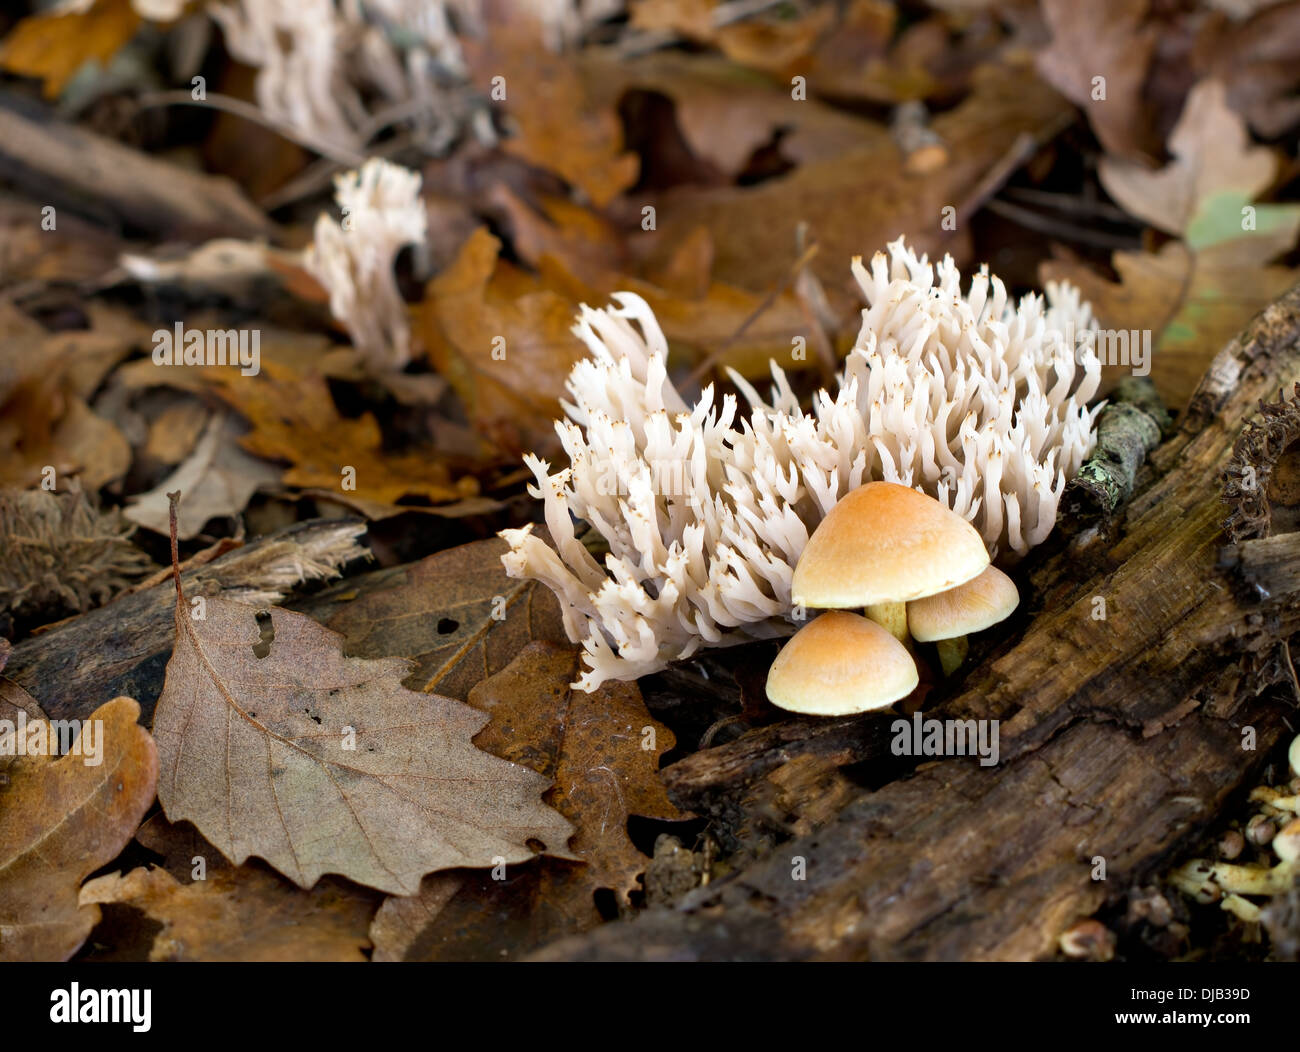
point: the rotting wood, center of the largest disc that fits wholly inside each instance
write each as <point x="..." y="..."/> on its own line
<point x="1120" y="738"/>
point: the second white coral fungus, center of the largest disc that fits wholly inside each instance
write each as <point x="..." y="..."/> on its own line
<point x="975" y="401"/>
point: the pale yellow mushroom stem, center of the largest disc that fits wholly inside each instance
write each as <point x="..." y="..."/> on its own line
<point x="952" y="652"/>
<point x="892" y="617"/>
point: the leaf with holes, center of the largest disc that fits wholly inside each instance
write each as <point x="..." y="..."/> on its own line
<point x="321" y="763"/>
<point x="456" y="615"/>
<point x="603" y="750"/>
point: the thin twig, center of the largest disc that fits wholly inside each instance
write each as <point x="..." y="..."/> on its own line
<point x="317" y="175"/>
<point x="705" y="367"/>
<point x="1047" y="225"/>
<point x="249" y="112"/>
<point x="1069" y="203"/>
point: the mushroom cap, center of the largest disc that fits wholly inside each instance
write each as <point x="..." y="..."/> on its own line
<point x="1293" y="756"/>
<point x="1287" y="841"/>
<point x="886" y="543"/>
<point x="838" y="664"/>
<point x="984" y="600"/>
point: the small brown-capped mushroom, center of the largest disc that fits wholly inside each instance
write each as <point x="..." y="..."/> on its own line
<point x="1260" y="830"/>
<point x="839" y="664"/>
<point x="947" y="618"/>
<point x="1231" y="844"/>
<point x="881" y="546"/>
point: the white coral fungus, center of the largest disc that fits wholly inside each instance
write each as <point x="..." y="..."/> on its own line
<point x="382" y="212"/>
<point x="974" y="401"/>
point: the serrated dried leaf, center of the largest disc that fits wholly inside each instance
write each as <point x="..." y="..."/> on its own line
<point x="1216" y="173"/>
<point x="457" y="616"/>
<point x="229" y="913"/>
<point x="603" y="750"/>
<point x="218" y="479"/>
<point x="254" y="751"/>
<point x="60" y="820"/>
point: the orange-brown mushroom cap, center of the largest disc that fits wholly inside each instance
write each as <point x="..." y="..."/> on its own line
<point x="981" y="602"/>
<point x="886" y="543"/>
<point x="838" y="664"/>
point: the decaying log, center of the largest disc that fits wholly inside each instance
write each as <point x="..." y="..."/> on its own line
<point x="123" y="647"/>
<point x="1120" y="711"/>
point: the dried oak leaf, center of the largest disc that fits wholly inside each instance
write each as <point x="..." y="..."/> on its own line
<point x="244" y="913"/>
<point x="603" y="750"/>
<point x="1193" y="303"/>
<point x="855" y="202"/>
<point x="1108" y="39"/>
<point x="1259" y="61"/>
<point x="55" y="46"/>
<point x="217" y="478"/>
<point x="293" y="418"/>
<point x="456" y="616"/>
<point x="1215" y="174"/>
<point x="1197" y="293"/>
<point x="13" y="699"/>
<point x="556" y="125"/>
<point x="320" y="763"/>
<point x="60" y="820"/>
<point x="46" y="379"/>
<point x="501" y="338"/>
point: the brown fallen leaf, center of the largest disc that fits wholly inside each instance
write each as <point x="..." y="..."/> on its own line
<point x="603" y="751"/>
<point x="774" y="45"/>
<point x="456" y="615"/>
<point x="1111" y="40"/>
<point x="601" y="748"/>
<point x="293" y="418"/>
<point x="1216" y="174"/>
<point x="13" y="700"/>
<point x="60" y="820"/>
<point x="46" y="380"/>
<point x="1259" y="62"/>
<point x="501" y="338"/>
<point x="725" y="114"/>
<point x="210" y="910"/>
<point x="1192" y="303"/>
<point x="218" y="478"/>
<point x="174" y="432"/>
<point x="1193" y="294"/>
<point x="54" y="46"/>
<point x="239" y="915"/>
<point x="853" y="204"/>
<point x="556" y="125"/>
<point x="276" y="745"/>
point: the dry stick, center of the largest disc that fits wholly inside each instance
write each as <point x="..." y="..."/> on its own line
<point x="1130" y="427"/>
<point x="249" y="112"/>
<point x="121" y="647"/>
<point x="1069" y="203"/>
<point x="58" y="160"/>
<point x="705" y="367"/>
<point x="1032" y="220"/>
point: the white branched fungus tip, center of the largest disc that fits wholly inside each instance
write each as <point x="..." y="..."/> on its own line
<point x="382" y="212"/>
<point x="974" y="401"/>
